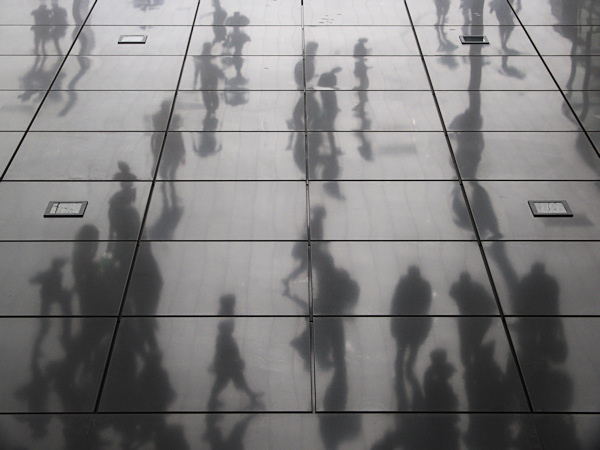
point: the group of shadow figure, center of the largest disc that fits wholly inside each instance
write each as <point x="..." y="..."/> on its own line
<point x="318" y="115"/>
<point x="487" y="385"/>
<point x="144" y="381"/>
<point x="50" y="25"/>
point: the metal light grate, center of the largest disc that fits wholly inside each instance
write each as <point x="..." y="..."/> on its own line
<point x="133" y="39"/>
<point x="474" y="39"/>
<point x="65" y="209"/>
<point x="550" y="208"/>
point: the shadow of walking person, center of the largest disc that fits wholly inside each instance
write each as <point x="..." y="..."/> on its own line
<point x="234" y="441"/>
<point x="228" y="364"/>
<point x="52" y="292"/>
<point x="336" y="295"/>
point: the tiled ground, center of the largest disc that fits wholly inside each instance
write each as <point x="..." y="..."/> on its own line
<point x="307" y="225"/>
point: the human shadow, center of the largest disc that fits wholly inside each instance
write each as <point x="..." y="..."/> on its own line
<point x="228" y="365"/>
<point x="468" y="150"/>
<point x="336" y="295"/>
<point x="541" y="344"/>
<point x="234" y="46"/>
<point x="234" y="440"/>
<point x="471" y="298"/>
<point x="42" y="21"/>
<point x="86" y="41"/>
<point x="412" y="297"/>
<point x="306" y="105"/>
<point x="209" y="75"/>
<point x="325" y="159"/>
<point x="361" y="70"/>
<point x="147" y="5"/>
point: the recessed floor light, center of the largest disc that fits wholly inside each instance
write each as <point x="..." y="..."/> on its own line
<point x="550" y="208"/>
<point x="474" y="39"/>
<point x="133" y="39"/>
<point x="65" y="209"/>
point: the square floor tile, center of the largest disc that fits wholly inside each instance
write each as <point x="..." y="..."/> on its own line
<point x="31" y="12"/>
<point x="498" y="73"/>
<point x="193" y="278"/>
<point x="8" y="144"/>
<point x="246" y="41"/>
<point x="373" y="72"/>
<point x="503" y="40"/>
<point x="238" y="111"/>
<point x="105" y="111"/>
<point x="359" y="12"/>
<point x="376" y="111"/>
<point x="388" y="211"/>
<point x="227" y="211"/>
<point x="546" y="278"/>
<point x="86" y="156"/>
<point x="116" y="12"/>
<point x="354" y="431"/>
<point x="407" y="278"/>
<point x="52" y="364"/>
<point x="584" y="104"/>
<point x="360" y="41"/>
<point x="565" y="40"/>
<point x="540" y="12"/>
<point x="506" y="111"/>
<point x="104" y="40"/>
<point x="18" y="108"/>
<point x="63" y="278"/>
<point x="45" y="431"/>
<point x="253" y="73"/>
<point x="133" y="73"/>
<point x="559" y="361"/>
<point x="35" y="40"/>
<point x="208" y="364"/>
<point x="455" y="13"/>
<point x="501" y="210"/>
<point x="525" y="156"/>
<point x="367" y="155"/>
<point x="258" y="12"/>
<point x="232" y="155"/>
<point x="430" y="364"/>
<point x="113" y="211"/>
<point x="575" y="72"/>
<point x="28" y="73"/>
<point x="558" y="431"/>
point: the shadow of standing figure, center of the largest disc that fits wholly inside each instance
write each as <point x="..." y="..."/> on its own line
<point x="412" y="297"/>
<point x="52" y="292"/>
<point x="124" y="220"/>
<point x="486" y="385"/>
<point x="41" y="27"/>
<point x="59" y="17"/>
<point x="329" y="105"/>
<point x="542" y="342"/>
<point x="471" y="298"/>
<point x="234" y="45"/>
<point x="219" y="16"/>
<point x="438" y="396"/>
<point x="228" y="364"/>
<point x="337" y="294"/>
<point x="361" y="73"/>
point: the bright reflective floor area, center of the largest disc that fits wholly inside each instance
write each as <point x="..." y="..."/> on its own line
<point x="300" y="224"/>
